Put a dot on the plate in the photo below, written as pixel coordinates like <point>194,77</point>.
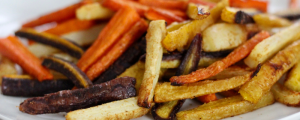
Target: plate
<point>15,12</point>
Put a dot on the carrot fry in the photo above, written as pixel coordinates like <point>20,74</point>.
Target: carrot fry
<point>115,5</point>
<point>167,4</point>
<point>70,26</point>
<point>117,26</point>
<point>57,16</point>
<point>161,14</point>
<point>12,48</point>
<point>133,34</point>
<point>151,15</point>
<point>201,2</point>
<point>261,5</point>
<point>207,98</point>
<point>215,68</point>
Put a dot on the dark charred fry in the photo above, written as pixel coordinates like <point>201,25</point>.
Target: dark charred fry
<point>168,110</point>
<point>233,15</point>
<point>24,85</point>
<point>219,54</point>
<point>68,100</point>
<point>52,40</point>
<point>68,69</point>
<point>243,18</point>
<point>127,59</point>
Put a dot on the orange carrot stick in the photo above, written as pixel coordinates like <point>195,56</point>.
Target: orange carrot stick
<point>12,48</point>
<point>57,16</point>
<point>207,98</point>
<point>111,56</point>
<point>167,4</point>
<point>261,5</point>
<point>201,2</point>
<point>115,5</point>
<point>218,66</point>
<point>70,26</point>
<point>152,15</point>
<point>294,4</point>
<point>113,31</point>
<point>167,14</point>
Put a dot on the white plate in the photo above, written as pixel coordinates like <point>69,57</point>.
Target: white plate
<point>15,12</point>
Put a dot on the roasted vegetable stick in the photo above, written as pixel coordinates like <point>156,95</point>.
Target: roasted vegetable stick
<point>181,38</point>
<point>175,25</point>
<point>292,81</point>
<point>202,2</point>
<point>93,11</point>
<point>286,96</point>
<point>165,92</point>
<point>226,107</point>
<point>115,5</point>
<point>215,68</point>
<point>120,110</point>
<point>207,98</point>
<point>127,59</point>
<point>7,67</point>
<point>155,34</point>
<point>136,71</point>
<point>269,47</point>
<point>167,110</point>
<point>261,5</point>
<point>271,20</point>
<point>24,85</point>
<point>52,40</point>
<point>117,26</point>
<point>161,14</point>
<point>69,69</point>
<point>229,93</point>
<point>290,14</point>
<point>270,73</point>
<point>233,15</point>
<point>71,26</point>
<point>152,15</point>
<point>231,72</point>
<point>13,49</point>
<point>197,12</point>
<point>167,4</point>
<point>41,50</point>
<point>135,32</point>
<point>57,16</point>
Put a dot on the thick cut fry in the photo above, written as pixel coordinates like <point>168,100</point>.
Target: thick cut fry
<point>93,11</point>
<point>271,20</point>
<point>235,56</point>
<point>270,73</point>
<point>181,38</point>
<point>117,26</point>
<point>7,67</point>
<point>167,4</point>
<point>135,32</point>
<point>118,110</point>
<point>12,48</point>
<point>226,107</point>
<point>165,92</point>
<point>233,15</point>
<point>57,16</point>
<point>197,12</point>
<point>71,26</point>
<point>286,96</point>
<point>155,34</point>
<point>175,25</point>
<point>202,2</point>
<point>293,79</point>
<point>269,47</point>
<point>261,5</point>
<point>115,5</point>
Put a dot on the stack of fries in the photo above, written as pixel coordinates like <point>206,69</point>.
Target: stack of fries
<point>192,49</point>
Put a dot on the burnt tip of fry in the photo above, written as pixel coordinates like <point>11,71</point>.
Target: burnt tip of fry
<point>256,71</point>
<point>243,18</point>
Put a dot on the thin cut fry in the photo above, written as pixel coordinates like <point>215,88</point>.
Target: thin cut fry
<point>118,110</point>
<point>155,33</point>
<point>270,73</point>
<point>286,96</point>
<point>224,108</point>
<point>293,79</point>
<point>235,56</point>
<point>269,47</point>
<point>117,26</point>
<point>181,38</point>
<point>57,16</point>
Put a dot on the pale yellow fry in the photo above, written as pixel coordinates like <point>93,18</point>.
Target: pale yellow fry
<point>286,96</point>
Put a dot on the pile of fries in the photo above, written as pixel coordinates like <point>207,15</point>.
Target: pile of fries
<point>175,50</point>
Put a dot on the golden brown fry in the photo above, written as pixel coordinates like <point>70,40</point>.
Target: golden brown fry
<point>175,25</point>
<point>223,108</point>
<point>270,46</point>
<point>7,67</point>
<point>118,110</point>
<point>271,20</point>
<point>93,11</point>
<point>155,34</point>
<point>270,73</point>
<point>286,96</point>
<point>231,72</point>
<point>233,15</point>
<point>204,62</point>
<point>181,38</point>
<point>197,12</point>
<point>165,92</point>
<point>293,79</point>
